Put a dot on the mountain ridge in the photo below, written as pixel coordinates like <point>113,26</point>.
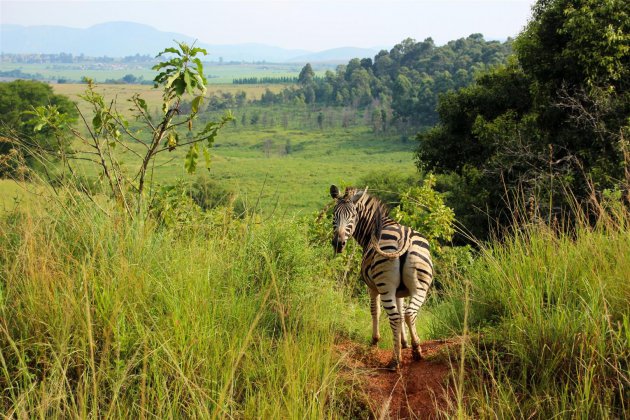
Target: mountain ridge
<point>119,39</point>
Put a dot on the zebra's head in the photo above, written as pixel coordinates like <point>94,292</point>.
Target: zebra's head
<point>345,215</point>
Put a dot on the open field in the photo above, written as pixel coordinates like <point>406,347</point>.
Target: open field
<point>287,167</point>
<point>284,161</point>
<point>153,96</point>
<point>216,74</point>
<point>254,164</point>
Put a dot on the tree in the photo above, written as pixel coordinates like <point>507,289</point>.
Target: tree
<point>320,120</point>
<point>556,117</point>
<point>306,75</point>
<point>17,98</point>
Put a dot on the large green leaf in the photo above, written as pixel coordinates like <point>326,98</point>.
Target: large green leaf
<point>196,103</point>
<point>190,162</point>
<point>206,156</point>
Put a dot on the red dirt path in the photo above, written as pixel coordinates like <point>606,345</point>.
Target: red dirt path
<point>417,391</point>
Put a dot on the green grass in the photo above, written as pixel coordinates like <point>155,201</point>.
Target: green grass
<point>153,97</point>
<point>231,318</point>
<point>285,162</point>
<point>14,195</point>
<point>549,316</point>
<point>299,181</point>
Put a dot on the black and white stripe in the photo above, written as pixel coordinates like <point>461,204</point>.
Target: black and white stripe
<point>396,262</point>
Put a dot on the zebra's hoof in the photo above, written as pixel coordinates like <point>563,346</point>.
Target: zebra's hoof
<point>375,341</point>
<point>416,353</point>
<point>393,365</point>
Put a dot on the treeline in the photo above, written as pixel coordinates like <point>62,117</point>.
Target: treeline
<point>265,80</point>
<point>409,78</point>
<point>19,74</point>
<point>553,123</point>
<point>69,58</point>
<point>128,79</point>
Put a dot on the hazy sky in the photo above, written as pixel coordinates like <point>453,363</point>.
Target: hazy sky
<point>305,24</point>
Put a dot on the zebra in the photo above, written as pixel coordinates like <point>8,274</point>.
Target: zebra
<point>396,263</point>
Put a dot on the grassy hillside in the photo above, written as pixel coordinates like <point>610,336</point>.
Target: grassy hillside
<point>229,317</point>
<point>284,161</point>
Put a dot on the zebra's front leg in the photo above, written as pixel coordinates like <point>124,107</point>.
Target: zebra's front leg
<point>375,310</point>
<point>400,302</point>
<point>395,322</point>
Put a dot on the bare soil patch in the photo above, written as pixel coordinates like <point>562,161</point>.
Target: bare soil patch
<point>418,390</point>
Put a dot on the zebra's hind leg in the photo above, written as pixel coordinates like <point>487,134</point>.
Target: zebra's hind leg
<point>395,322</point>
<point>418,295</point>
<point>375,310</point>
<point>400,302</point>
<point>410,320</point>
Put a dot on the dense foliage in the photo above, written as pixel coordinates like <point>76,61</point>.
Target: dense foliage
<point>17,99</point>
<point>409,77</point>
<point>556,117</point>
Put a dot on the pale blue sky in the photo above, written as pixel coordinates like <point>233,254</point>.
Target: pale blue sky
<point>305,24</point>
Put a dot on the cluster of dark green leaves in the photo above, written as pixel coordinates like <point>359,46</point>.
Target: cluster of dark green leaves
<point>18,101</point>
<point>183,73</point>
<point>557,116</point>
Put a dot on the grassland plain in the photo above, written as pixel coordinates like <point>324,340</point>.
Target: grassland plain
<point>254,164</point>
<point>285,161</point>
<point>217,74</point>
<point>120,93</point>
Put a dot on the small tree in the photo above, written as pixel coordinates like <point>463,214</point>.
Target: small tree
<point>306,75</point>
<point>110,135</point>
<point>320,120</point>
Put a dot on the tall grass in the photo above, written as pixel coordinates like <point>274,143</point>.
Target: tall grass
<point>549,317</point>
<point>102,317</point>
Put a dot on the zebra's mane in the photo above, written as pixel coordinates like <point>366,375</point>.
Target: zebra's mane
<point>374,208</point>
<point>380,218</point>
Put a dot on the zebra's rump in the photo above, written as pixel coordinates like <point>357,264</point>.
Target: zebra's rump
<point>415,258</point>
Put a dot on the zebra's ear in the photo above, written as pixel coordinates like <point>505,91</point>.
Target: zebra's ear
<point>334,191</point>
<point>359,195</point>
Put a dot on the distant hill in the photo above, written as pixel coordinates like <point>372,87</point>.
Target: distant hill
<point>119,39</point>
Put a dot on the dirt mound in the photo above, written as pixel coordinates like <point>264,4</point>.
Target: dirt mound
<point>417,391</point>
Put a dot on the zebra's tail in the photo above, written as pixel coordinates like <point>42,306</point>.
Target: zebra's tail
<point>376,239</point>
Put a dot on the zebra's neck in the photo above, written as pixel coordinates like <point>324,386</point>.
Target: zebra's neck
<point>367,220</point>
